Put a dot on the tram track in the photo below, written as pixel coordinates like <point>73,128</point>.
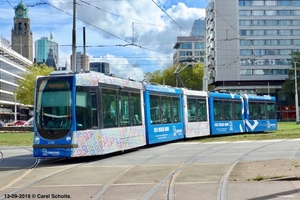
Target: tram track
<point>224,180</point>
<point>31,168</point>
<point>36,165</point>
<point>152,191</point>
<point>171,177</point>
<point>23,174</point>
<point>105,188</point>
<point>166,183</point>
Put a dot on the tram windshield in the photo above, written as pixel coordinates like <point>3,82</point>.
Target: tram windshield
<point>53,108</point>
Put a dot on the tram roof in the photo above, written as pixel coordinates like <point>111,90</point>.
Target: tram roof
<point>194,92</point>
<point>94,78</point>
<point>257,97</point>
<point>162,88</point>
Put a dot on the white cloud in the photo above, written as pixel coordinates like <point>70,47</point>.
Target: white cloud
<point>120,67</point>
<point>110,23</point>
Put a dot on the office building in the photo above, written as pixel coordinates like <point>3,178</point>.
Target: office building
<point>12,66</point>
<point>198,28</point>
<point>100,67</point>
<point>249,43</point>
<point>191,47</point>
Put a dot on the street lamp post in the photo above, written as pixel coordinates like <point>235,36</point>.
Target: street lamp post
<point>15,107</point>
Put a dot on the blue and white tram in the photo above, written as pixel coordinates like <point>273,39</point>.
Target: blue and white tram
<point>226,112</point>
<point>163,114</point>
<point>260,113</point>
<point>195,109</point>
<point>87,114</point>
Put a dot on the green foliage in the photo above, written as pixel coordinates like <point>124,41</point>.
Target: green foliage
<point>288,87</point>
<point>16,139</point>
<point>190,76</point>
<point>25,91</point>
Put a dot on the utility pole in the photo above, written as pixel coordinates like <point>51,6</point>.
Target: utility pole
<point>73,66</point>
<point>296,94</point>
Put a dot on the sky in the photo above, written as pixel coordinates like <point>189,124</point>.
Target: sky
<point>133,36</point>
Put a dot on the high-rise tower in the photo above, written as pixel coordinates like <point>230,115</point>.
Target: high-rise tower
<point>43,47</point>
<point>21,35</point>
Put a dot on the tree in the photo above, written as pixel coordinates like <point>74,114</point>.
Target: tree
<point>191,76</point>
<point>25,92</point>
<point>288,87</point>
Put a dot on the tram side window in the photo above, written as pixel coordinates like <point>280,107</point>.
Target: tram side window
<point>228,110</point>
<point>166,109</point>
<point>83,114</point>
<point>176,114</point>
<point>136,108</point>
<point>109,99</point>
<point>94,109</point>
<point>192,107</point>
<point>124,109</point>
<point>262,111</point>
<point>237,110</point>
<point>271,110</point>
<point>155,109</point>
<point>253,110</point>
<point>218,110</point>
<point>202,110</point>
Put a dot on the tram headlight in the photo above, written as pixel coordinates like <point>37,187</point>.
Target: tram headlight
<point>37,140</point>
<point>68,138</point>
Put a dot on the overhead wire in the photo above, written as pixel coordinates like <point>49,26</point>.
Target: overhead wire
<point>169,16</point>
<point>10,4</point>
<point>123,45</point>
<point>137,21</point>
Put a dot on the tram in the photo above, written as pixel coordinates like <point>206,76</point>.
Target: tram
<point>260,113</point>
<point>163,114</point>
<point>226,113</point>
<point>86,114</point>
<point>196,116</point>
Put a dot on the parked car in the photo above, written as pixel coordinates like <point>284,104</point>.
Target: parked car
<point>29,122</point>
<point>17,123</point>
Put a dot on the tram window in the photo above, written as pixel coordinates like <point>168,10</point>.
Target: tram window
<point>262,111</point>
<point>155,109</point>
<point>124,109</point>
<point>176,115</point>
<point>109,99</point>
<point>218,108</point>
<point>136,109</point>
<point>271,111</point>
<point>191,110</point>
<point>94,109</point>
<point>166,109</point>
<point>83,111</point>
<point>253,110</point>
<point>237,110</point>
<point>228,110</point>
<point>202,110</point>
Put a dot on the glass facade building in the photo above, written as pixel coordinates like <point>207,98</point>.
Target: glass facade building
<point>42,49</point>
